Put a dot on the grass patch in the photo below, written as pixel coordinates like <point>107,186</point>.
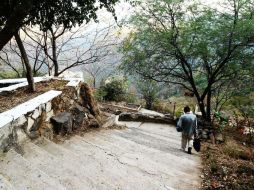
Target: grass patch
<point>237,151</point>
<point>228,166</point>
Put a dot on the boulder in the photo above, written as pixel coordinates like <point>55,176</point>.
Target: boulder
<point>78,116</point>
<point>219,137</point>
<point>143,117</point>
<point>118,112</point>
<point>93,123</point>
<point>212,138</point>
<point>62,123</point>
<point>90,116</point>
<point>88,100</point>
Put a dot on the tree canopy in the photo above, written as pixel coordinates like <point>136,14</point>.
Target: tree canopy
<point>190,44</point>
<point>16,13</point>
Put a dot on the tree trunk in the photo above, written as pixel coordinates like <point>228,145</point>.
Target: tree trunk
<point>12,25</point>
<point>14,22</point>
<point>202,108</point>
<point>208,105</point>
<point>56,68</point>
<point>149,102</point>
<point>25,60</point>
<point>94,82</point>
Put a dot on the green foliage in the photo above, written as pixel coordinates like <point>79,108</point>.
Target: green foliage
<point>99,94</point>
<point>48,13</point>
<point>131,98</point>
<point>39,74</point>
<point>8,75</point>
<point>221,119</point>
<point>11,74</point>
<point>185,43</point>
<point>244,105</point>
<point>213,166</point>
<point>234,150</point>
<point>163,106</point>
<point>115,89</point>
<point>149,90</point>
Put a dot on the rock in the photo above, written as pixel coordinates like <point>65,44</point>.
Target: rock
<point>204,136</point>
<point>78,116</point>
<point>34,134</point>
<point>211,136</point>
<point>110,121</point>
<point>62,123</point>
<point>88,100</point>
<point>90,116</point>
<point>48,106</point>
<point>40,109</point>
<point>20,135</point>
<point>30,123</point>
<point>49,115</point>
<point>118,112</point>
<point>21,121</point>
<point>36,114</point>
<point>36,125</point>
<point>46,131</point>
<point>93,123</point>
<point>219,137</point>
<point>142,117</point>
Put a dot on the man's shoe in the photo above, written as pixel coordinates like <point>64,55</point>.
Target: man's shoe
<point>189,150</point>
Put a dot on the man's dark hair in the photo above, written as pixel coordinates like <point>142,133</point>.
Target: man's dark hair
<point>186,109</point>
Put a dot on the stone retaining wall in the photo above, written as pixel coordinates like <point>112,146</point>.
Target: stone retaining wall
<point>31,119</point>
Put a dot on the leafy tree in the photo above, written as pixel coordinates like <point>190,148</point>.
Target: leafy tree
<point>149,90</point>
<point>47,13</point>
<point>191,45</point>
<point>114,89</point>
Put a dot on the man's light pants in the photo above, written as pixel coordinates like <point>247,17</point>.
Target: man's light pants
<point>186,139</point>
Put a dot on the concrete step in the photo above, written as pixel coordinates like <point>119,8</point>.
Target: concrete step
<point>144,161</point>
<point>22,175</point>
<point>121,174</point>
<point>128,145</point>
<point>5,184</point>
<point>65,168</point>
<point>94,166</point>
<point>166,164</point>
<point>83,161</point>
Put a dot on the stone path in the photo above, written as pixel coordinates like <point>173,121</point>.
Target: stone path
<point>142,157</point>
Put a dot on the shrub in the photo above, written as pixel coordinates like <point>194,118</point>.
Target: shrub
<point>149,90</point>
<point>237,151</point>
<point>99,94</point>
<point>131,98</point>
<point>9,75</point>
<point>114,90</point>
<point>163,106</point>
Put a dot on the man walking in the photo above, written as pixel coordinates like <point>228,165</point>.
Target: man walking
<point>188,122</point>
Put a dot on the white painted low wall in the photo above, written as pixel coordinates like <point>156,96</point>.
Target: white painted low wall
<point>16,123</point>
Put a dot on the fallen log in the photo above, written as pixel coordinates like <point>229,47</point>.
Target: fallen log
<point>142,117</point>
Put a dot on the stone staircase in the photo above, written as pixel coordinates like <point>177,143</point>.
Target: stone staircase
<point>143,156</point>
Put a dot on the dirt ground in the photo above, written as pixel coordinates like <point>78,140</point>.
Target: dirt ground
<point>228,166</point>
<point>10,99</point>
